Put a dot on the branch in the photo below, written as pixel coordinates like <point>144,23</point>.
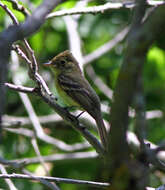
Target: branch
<point>100,8</point>
<point>34,22</point>
<point>39,156</point>
<point>139,41</point>
<point>33,117</point>
<point>106,47</point>
<point>99,82</point>
<point>98,53</point>
<point>55,158</point>
<point>74,122</point>
<point>131,138</point>
<point>20,88</point>
<point>42,162</point>
<point>74,38</point>
<point>50,140</point>
<point>41,135</point>
<point>33,67</point>
<point>19,7</point>
<point>13,121</point>
<point>17,165</point>
<point>66,180</point>
<point>133,63</point>
<point>8,181</point>
<point>21,53</point>
<point>56,179</point>
<point>140,114</point>
<point>43,90</point>
<point>43,181</point>
<point>14,33</point>
<point>14,164</point>
<point>12,16</point>
<point>31,25</point>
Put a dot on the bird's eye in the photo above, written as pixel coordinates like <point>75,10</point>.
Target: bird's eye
<point>62,62</point>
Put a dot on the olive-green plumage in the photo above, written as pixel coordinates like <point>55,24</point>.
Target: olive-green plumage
<point>75,91</point>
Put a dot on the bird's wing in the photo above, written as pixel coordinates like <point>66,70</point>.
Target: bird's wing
<point>77,92</point>
<point>67,83</point>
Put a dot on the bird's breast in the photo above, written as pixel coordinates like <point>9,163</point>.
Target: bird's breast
<point>63,98</point>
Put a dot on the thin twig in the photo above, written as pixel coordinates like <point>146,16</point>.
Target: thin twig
<point>21,53</point>
<point>43,181</point>
<point>37,151</point>
<point>40,133</point>
<point>8,181</point>
<point>12,16</point>
<point>32,63</point>
<point>100,8</point>
<point>13,121</point>
<point>18,165</point>
<point>98,53</point>
<point>75,123</point>
<point>71,23</point>
<point>105,47</point>
<point>56,179</point>
<point>50,140</point>
<point>74,38</point>
<point>20,88</point>
<point>55,158</point>
<point>51,185</point>
<point>19,7</point>
<point>14,164</point>
<point>99,82</point>
<point>22,131</point>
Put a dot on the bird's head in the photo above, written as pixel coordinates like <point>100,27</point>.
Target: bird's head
<point>64,62</point>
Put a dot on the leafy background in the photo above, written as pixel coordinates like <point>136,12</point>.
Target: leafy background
<point>95,30</point>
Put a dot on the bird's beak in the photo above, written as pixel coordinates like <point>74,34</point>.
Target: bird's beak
<point>47,64</point>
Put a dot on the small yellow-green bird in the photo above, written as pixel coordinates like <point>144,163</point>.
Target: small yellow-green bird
<point>75,91</point>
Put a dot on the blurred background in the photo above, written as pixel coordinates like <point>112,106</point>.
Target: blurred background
<point>94,31</point>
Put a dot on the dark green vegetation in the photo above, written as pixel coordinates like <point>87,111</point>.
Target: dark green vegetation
<point>51,39</point>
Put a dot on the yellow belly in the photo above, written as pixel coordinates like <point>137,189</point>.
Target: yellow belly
<point>64,99</point>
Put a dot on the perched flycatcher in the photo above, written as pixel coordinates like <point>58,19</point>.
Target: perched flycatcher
<point>75,91</point>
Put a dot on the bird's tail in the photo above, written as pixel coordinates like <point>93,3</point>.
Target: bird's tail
<point>102,131</point>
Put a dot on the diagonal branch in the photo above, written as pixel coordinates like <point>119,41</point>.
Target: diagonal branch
<point>98,53</point>
<point>106,47</point>
<point>8,181</point>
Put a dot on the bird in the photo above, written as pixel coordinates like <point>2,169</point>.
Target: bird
<point>75,91</point>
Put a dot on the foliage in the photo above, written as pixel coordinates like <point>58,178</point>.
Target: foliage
<point>94,30</point>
